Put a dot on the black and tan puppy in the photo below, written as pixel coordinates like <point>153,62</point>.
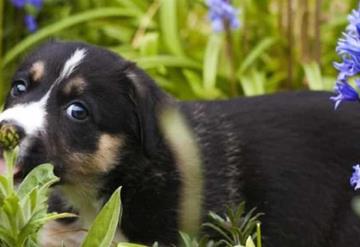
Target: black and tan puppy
<point>95,117</point>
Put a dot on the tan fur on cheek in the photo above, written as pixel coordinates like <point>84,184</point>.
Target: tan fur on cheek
<point>37,71</point>
<point>102,161</point>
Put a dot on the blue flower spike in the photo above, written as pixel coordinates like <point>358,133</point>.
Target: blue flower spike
<point>345,93</point>
<point>221,11</point>
<point>355,178</point>
<point>29,18</point>
<point>30,23</point>
<point>36,3</point>
<point>348,48</point>
<point>18,3</point>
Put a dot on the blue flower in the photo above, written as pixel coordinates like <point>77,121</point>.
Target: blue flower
<point>29,18</point>
<point>221,11</point>
<point>21,3</point>
<point>348,68</point>
<point>30,23</point>
<point>348,48</point>
<point>354,21</point>
<point>345,92</point>
<point>349,45</point>
<point>355,178</point>
<point>36,3</point>
<point>18,3</point>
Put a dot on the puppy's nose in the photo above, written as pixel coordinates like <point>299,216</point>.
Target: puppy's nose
<point>10,134</point>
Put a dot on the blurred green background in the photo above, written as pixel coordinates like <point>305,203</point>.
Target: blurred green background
<point>281,44</point>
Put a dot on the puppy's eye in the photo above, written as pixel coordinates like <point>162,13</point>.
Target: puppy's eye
<point>19,87</point>
<point>77,112</point>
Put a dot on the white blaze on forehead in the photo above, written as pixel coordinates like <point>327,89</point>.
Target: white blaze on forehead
<point>31,116</point>
<point>71,64</point>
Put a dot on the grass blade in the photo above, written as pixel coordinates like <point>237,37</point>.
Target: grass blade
<point>169,27</point>
<point>52,29</point>
<point>211,59</point>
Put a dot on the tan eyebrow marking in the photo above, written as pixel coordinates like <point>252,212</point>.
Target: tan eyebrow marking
<point>75,85</point>
<point>37,71</point>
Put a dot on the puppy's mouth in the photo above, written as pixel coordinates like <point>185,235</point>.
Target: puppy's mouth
<point>18,174</point>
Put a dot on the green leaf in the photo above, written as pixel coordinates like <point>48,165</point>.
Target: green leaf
<point>10,157</point>
<point>314,78</point>
<point>103,229</point>
<point>197,87</point>
<point>211,59</point>
<point>39,176</point>
<point>255,53</point>
<point>165,60</point>
<point>12,215</point>
<point>253,83</point>
<point>249,242</point>
<point>137,5</point>
<point>186,239</point>
<point>149,44</point>
<point>219,230</point>
<point>130,245</point>
<point>52,29</point>
<point>5,189</point>
<point>258,235</point>
<point>131,4</point>
<point>169,27</point>
<point>6,237</point>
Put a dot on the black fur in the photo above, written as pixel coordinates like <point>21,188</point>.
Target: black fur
<point>288,154</point>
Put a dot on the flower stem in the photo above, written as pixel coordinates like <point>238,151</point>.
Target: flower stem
<point>258,235</point>
<point>1,27</point>
<point>1,50</point>
<point>317,51</point>
<point>230,54</point>
<point>145,22</point>
<point>290,43</point>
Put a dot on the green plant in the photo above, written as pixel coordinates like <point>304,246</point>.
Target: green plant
<point>102,230</point>
<point>23,208</point>
<point>236,228</point>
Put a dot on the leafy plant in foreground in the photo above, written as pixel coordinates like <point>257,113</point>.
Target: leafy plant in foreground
<point>23,209</point>
<point>236,228</point>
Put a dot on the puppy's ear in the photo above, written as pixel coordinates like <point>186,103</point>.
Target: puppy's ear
<point>148,100</point>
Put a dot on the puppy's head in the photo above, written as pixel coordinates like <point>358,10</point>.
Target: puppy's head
<point>80,107</point>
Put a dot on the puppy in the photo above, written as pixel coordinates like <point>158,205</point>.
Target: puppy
<point>97,118</point>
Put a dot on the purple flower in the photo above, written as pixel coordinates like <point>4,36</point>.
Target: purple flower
<point>36,3</point>
<point>30,23</point>
<point>21,3</point>
<point>345,92</point>
<point>348,48</point>
<point>355,178</point>
<point>354,21</point>
<point>221,11</point>
<point>348,68</point>
<point>29,18</point>
<point>18,3</point>
<point>348,45</point>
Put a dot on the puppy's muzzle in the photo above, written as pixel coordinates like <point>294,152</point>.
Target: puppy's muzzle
<point>11,134</point>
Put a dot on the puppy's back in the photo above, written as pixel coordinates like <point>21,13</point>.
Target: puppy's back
<point>288,154</point>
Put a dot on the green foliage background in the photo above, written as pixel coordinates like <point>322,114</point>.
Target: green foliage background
<point>281,45</point>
